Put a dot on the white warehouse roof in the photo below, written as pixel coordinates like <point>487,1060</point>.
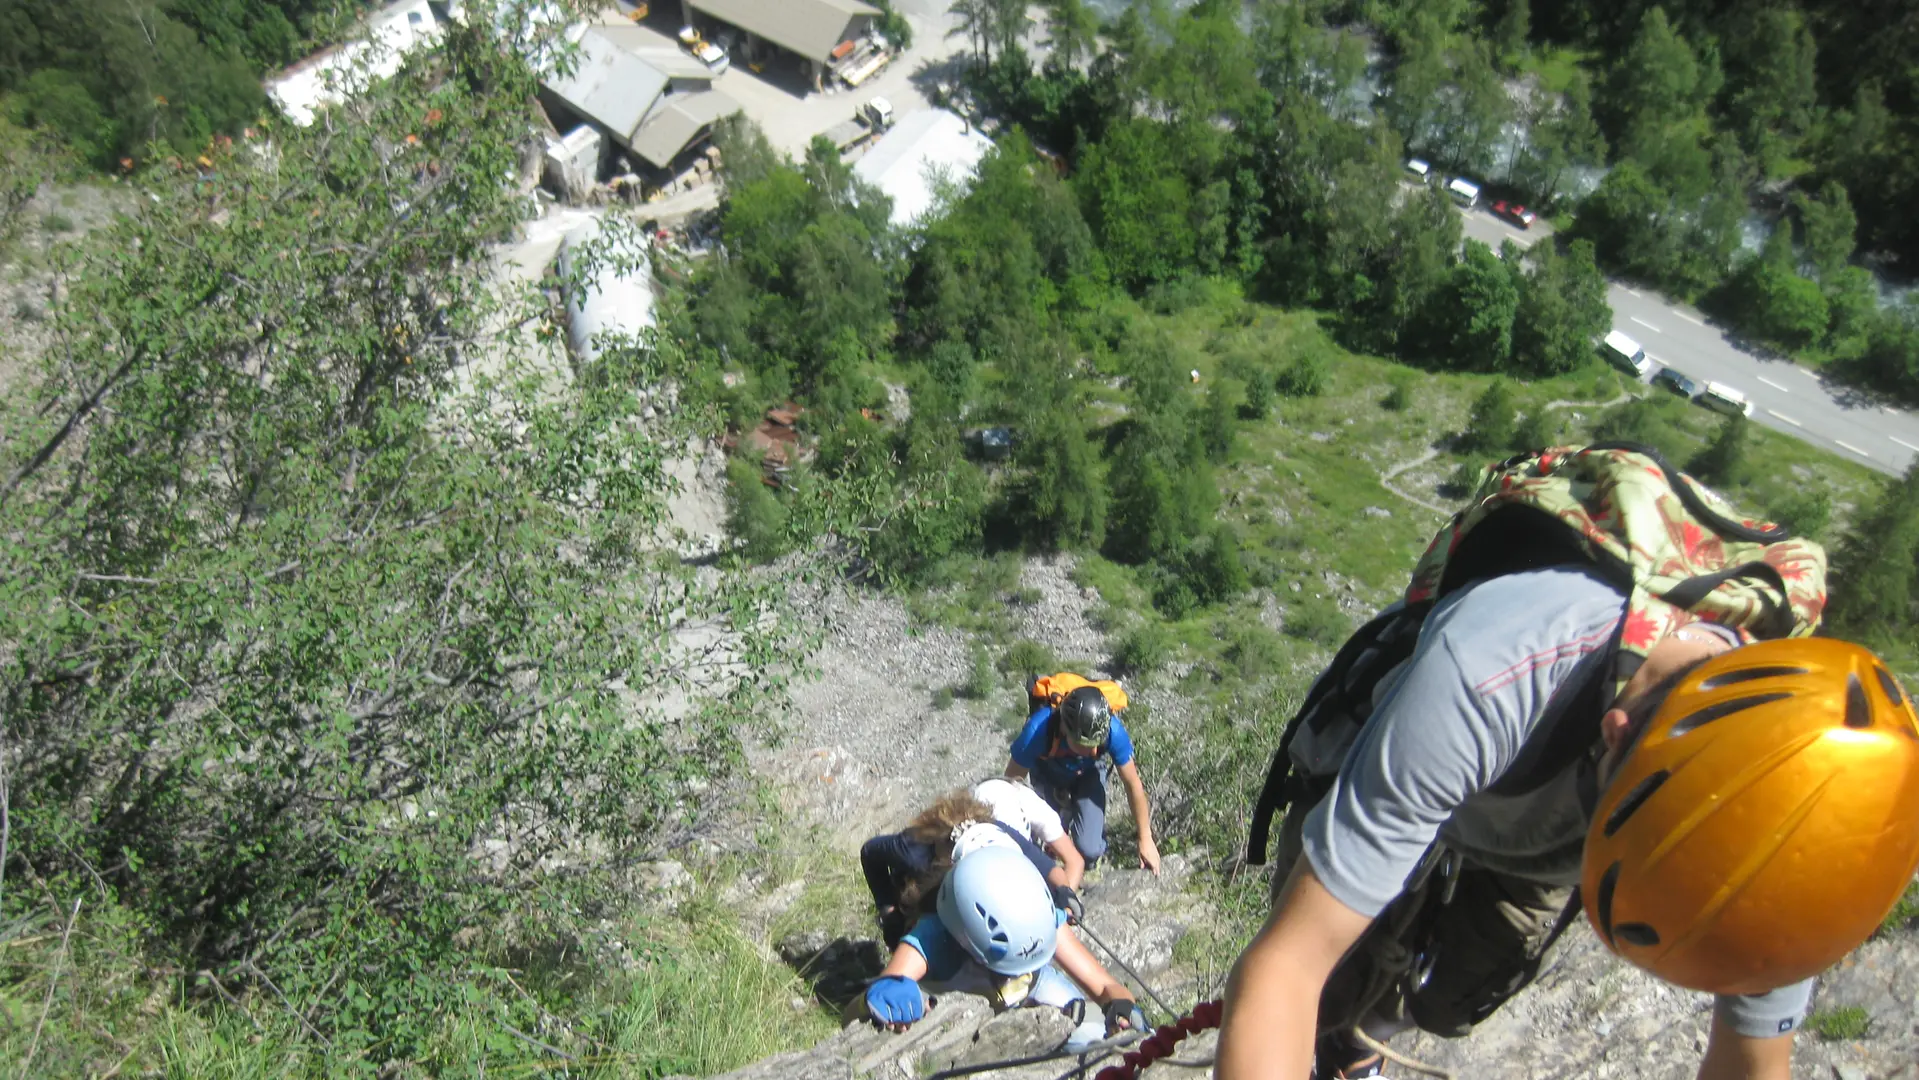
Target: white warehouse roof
<point>923,145</point>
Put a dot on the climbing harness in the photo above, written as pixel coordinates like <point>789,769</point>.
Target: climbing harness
<point>1123,966</point>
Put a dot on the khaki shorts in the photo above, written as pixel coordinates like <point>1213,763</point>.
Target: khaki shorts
<point>1455,964</point>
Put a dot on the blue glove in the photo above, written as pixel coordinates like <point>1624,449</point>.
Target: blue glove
<point>895,999</point>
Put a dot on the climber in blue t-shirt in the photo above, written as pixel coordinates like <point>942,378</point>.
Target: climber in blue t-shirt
<point>1066,752</point>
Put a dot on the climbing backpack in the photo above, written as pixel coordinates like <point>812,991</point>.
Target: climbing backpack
<point>1669,543</point>
<point>1051,690</point>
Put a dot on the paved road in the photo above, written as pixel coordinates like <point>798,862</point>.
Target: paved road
<point>1785,396</point>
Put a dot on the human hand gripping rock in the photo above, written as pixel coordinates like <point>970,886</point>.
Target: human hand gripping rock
<point>895,1002</point>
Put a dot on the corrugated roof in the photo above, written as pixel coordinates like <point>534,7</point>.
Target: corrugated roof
<point>612,86</point>
<point>810,28</point>
<point>646,45</point>
<point>923,144</point>
<point>679,121</point>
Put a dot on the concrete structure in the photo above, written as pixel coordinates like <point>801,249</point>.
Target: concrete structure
<point>330,76</point>
<point>922,148</point>
<point>656,103</point>
<point>818,32</point>
<point>601,299</point>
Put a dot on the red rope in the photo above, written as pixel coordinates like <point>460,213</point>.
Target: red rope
<point>1160,1044</point>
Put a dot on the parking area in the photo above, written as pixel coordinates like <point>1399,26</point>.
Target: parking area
<point>791,113</point>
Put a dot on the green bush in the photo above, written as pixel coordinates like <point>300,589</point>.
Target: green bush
<point>1464,479</point>
<point>1723,460</point>
<point>1806,511</point>
<point>1399,394</point>
<point>1307,375</point>
<point>1537,429</point>
<point>1491,428</point>
<point>1144,647</point>
<point>57,223</point>
<point>1028,657</point>
<point>981,680</point>
<point>1259,395</point>
<point>755,517</point>
<point>1026,596</point>
<point>1904,913</point>
<point>1649,422</point>
<point>1216,426</point>
<point>1254,651</point>
<point>1316,619</point>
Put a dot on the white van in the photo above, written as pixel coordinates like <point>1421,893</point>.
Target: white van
<point>1722,398</point>
<point>1419,170</point>
<point>1463,191</point>
<point>1624,352</point>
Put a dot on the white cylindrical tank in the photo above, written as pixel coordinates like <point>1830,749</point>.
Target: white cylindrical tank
<point>608,293</point>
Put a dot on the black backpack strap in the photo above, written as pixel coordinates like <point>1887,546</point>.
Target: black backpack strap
<point>1345,688</point>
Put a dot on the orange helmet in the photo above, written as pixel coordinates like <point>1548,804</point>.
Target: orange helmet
<point>1765,821</point>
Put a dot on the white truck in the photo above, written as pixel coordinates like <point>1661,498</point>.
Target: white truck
<point>1624,353</point>
<point>868,120</point>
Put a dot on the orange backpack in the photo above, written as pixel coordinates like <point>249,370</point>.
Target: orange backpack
<point>1052,689</point>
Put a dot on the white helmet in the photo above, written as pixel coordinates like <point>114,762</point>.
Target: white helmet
<point>997,904</point>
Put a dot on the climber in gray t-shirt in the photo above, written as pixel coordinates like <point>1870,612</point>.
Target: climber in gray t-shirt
<point>1447,725</point>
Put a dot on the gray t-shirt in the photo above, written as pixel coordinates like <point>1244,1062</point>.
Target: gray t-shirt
<point>1449,723</point>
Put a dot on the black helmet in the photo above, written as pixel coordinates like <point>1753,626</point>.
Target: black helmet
<point>1085,718</point>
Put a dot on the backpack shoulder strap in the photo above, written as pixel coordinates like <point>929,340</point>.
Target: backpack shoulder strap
<point>1344,689</point>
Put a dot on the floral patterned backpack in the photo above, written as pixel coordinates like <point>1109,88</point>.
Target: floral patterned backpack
<point>1670,543</point>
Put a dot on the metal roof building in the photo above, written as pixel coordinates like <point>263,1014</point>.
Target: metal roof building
<point>922,148</point>
<point>652,101</point>
<point>810,29</point>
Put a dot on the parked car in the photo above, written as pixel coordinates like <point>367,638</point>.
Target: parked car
<point>1419,170</point>
<point>1724,399</point>
<point>1514,213</point>
<point>1463,191</point>
<point>1676,382</point>
<point>706,52</point>
<point>1624,353</point>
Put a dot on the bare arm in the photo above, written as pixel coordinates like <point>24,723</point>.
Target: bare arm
<point>1142,813</point>
<point>1732,1056</point>
<point>1076,960</point>
<point>1071,860</point>
<point>909,964</point>
<point>1014,770</point>
<point>1272,998</point>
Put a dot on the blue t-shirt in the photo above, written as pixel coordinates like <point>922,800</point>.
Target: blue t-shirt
<point>1035,743</point>
<point>943,953</point>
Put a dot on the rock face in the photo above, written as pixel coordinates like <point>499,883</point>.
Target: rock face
<point>868,747</point>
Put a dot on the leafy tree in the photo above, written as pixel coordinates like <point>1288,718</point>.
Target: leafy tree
<point>1305,375</point>
<point>1469,321</point>
<point>1072,32</point>
<point>1057,498</point>
<point>318,583</point>
<point>1874,564</point>
<point>1472,112</point>
<point>1512,32</point>
<point>1771,300</point>
<point>1770,91</point>
<point>754,515</point>
<point>1656,86</point>
<point>1723,460</point>
<point>1137,207</point>
<point>1565,137</point>
<point>1492,426</point>
<point>805,293</point>
<point>1216,429</point>
<point>1562,309</point>
<point>1828,226</point>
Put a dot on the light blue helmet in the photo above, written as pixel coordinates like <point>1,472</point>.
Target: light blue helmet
<point>997,904</point>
